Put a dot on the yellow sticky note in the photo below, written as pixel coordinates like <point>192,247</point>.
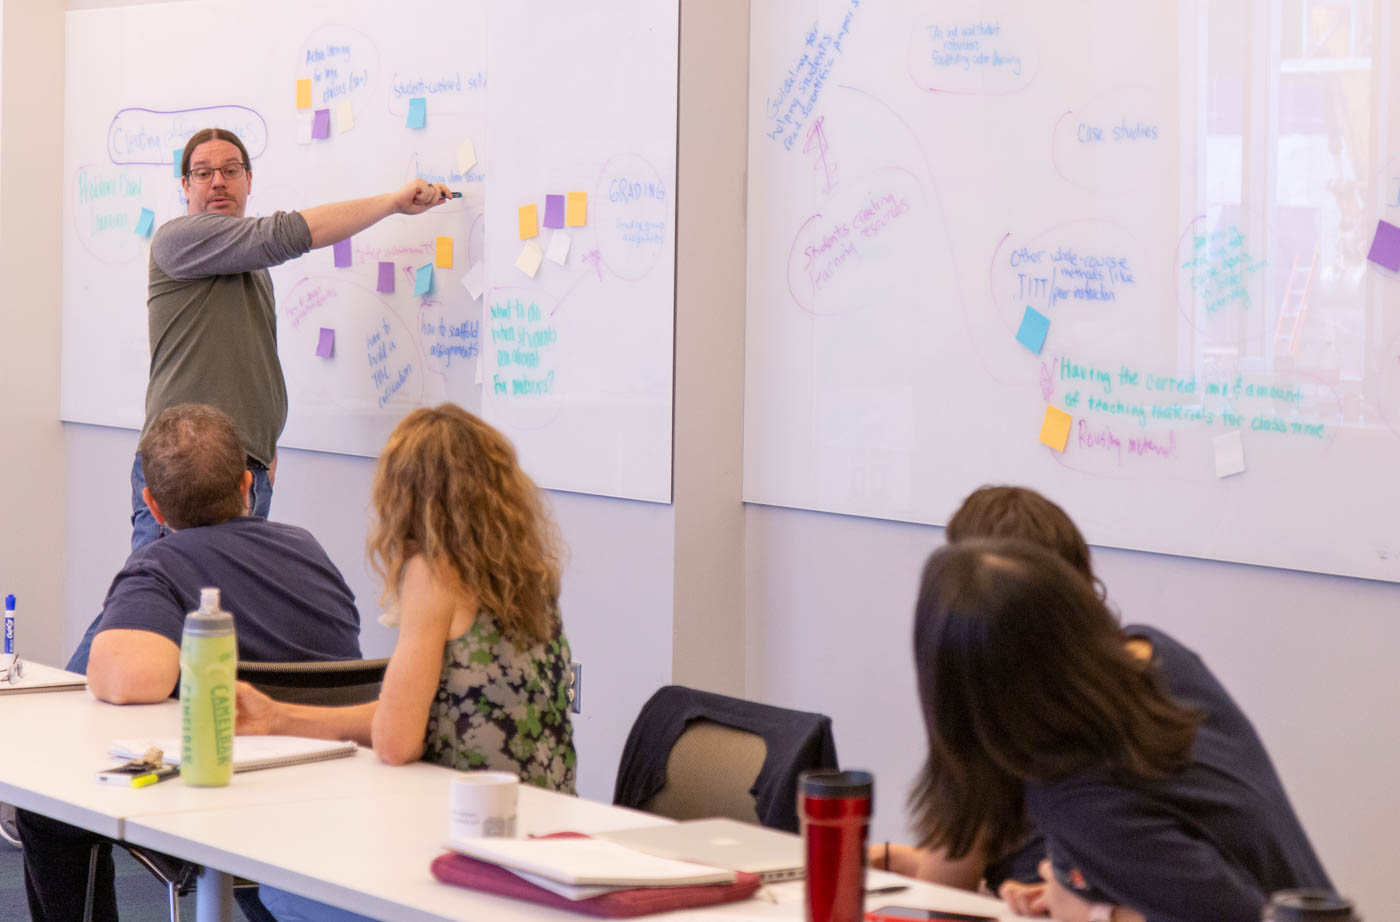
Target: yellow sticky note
<point>304,93</point>
<point>1054,431</point>
<point>444,253</point>
<point>576,209</point>
<point>529,221</point>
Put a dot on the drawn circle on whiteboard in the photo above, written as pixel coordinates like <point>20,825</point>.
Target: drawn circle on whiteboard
<point>105,202</point>
<point>520,386</point>
<point>1115,142</point>
<point>341,63</point>
<point>859,248</point>
<point>994,52</point>
<point>1090,277</point>
<point>631,214</point>
<point>1221,279</point>
<point>376,366</point>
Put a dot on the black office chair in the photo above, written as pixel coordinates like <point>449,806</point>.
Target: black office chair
<point>694,754</point>
<point>325,682</point>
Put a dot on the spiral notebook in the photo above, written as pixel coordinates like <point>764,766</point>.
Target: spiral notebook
<point>250,753</point>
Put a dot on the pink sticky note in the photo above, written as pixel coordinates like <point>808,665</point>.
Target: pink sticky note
<point>326,347</point>
<point>1385,249</point>
<point>342,253</point>
<point>321,128</point>
<point>386,277</point>
<point>554,211</point>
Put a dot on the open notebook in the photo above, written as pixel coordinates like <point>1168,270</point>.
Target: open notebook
<point>36,677</point>
<point>249,752</point>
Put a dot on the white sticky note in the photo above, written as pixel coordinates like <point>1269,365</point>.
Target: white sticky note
<point>1229,454</point>
<point>558,248</point>
<point>344,116</point>
<point>305,122</point>
<point>530,257</point>
<point>466,157</point>
<point>475,280</point>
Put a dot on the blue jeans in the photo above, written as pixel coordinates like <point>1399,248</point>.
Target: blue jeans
<point>144,527</point>
<point>288,907</point>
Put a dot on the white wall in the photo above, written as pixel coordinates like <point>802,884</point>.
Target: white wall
<point>1310,658</point>
<point>31,444</point>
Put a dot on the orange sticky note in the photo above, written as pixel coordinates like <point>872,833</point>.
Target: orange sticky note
<point>444,253</point>
<point>1054,431</point>
<point>529,221</point>
<point>304,93</point>
<point>576,209</point>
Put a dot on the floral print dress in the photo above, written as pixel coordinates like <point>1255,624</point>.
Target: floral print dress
<point>501,708</point>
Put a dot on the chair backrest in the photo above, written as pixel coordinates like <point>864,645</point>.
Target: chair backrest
<point>332,682</point>
<point>694,754</point>
<point>710,771</point>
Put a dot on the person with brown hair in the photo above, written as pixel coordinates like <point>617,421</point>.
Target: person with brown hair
<point>1153,792</point>
<point>288,600</point>
<point>470,560</point>
<point>211,315</point>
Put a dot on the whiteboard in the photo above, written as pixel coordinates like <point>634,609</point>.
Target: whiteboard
<point>137,87</point>
<point>1186,192</point>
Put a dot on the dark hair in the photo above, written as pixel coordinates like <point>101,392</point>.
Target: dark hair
<point>1016,512</point>
<point>1023,676</point>
<point>212,134</point>
<point>194,464</point>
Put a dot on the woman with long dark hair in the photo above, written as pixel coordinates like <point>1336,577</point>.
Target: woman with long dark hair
<point>1153,791</point>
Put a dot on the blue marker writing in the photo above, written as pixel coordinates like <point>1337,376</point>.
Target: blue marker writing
<point>10,625</point>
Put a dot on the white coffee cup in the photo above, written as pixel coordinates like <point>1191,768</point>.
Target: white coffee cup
<point>483,805</point>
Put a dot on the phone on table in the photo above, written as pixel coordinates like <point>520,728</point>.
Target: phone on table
<point>911,914</point>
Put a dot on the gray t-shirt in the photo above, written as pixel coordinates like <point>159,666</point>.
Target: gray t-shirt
<point>213,321</point>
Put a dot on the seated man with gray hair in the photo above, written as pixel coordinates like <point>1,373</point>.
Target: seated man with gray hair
<point>289,602</point>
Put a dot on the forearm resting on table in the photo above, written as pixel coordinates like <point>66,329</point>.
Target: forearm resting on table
<point>351,722</point>
<point>931,864</point>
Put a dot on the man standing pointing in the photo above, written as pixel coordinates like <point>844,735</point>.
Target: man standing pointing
<point>212,316</point>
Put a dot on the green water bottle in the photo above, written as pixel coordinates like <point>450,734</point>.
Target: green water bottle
<point>208,665</point>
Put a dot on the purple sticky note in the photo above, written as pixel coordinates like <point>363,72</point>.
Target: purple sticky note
<point>554,211</point>
<point>326,347</point>
<point>342,254</point>
<point>1385,249</point>
<point>321,127</point>
<point>386,277</point>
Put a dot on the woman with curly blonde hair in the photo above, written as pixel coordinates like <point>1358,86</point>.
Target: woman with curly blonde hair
<point>470,562</point>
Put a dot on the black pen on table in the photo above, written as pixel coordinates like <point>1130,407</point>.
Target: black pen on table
<point>881,891</point>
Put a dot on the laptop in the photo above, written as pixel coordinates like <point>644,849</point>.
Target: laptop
<point>771,854</point>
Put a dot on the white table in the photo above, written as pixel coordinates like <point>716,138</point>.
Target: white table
<point>351,832</point>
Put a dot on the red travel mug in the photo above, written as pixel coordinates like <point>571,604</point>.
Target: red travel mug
<point>835,809</point>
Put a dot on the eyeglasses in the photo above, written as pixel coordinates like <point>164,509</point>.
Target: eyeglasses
<point>231,172</point>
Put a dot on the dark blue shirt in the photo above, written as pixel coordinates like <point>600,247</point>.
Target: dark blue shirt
<point>289,602</point>
<point>1209,843</point>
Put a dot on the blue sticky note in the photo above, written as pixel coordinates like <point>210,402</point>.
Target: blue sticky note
<point>423,282</point>
<point>145,222</point>
<point>178,154</point>
<point>386,277</point>
<point>1034,326</point>
<point>417,112</point>
<point>342,254</point>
